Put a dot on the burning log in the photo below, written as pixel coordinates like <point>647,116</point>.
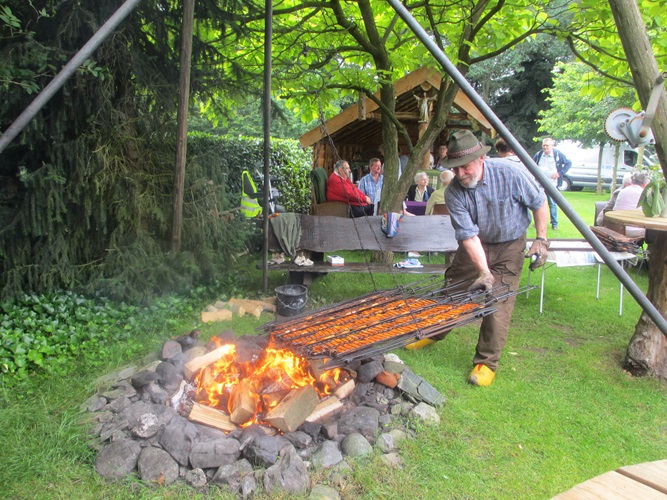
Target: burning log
<point>345,390</point>
<point>326,408</point>
<point>242,403</point>
<point>211,417</point>
<point>192,367</point>
<point>292,411</point>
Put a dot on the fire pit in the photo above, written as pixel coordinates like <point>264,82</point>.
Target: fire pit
<point>313,389</point>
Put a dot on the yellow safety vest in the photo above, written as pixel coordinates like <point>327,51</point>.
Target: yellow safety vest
<point>250,207</point>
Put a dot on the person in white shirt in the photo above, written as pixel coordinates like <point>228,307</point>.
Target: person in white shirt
<point>629,197</point>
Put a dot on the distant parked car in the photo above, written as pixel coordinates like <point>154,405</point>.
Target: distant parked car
<point>584,170</point>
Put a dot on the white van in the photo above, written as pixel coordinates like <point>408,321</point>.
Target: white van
<point>584,170</point>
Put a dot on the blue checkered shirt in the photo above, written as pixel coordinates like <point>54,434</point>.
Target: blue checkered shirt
<point>497,209</point>
<point>369,187</point>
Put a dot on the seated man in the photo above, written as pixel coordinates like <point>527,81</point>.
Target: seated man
<point>340,188</point>
<point>371,184</point>
<point>628,197</point>
<point>627,181</point>
<point>420,190</point>
<point>438,196</point>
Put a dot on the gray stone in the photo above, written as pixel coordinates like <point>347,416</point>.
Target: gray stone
<point>356,445</point>
<point>170,349</point>
<point>178,438</point>
<point>195,352</point>
<point>385,420</point>
<point>118,405</point>
<point>322,492</point>
<point>134,413</point>
<point>393,367</point>
<point>94,403</point>
<point>196,478</point>
<point>209,433</point>
<point>110,379</point>
<point>330,429</point>
<point>170,376</point>
<point>398,436</point>
<point>327,456</point>
<point>392,460</point>
<point>299,439</point>
<point>143,378</point>
<point>157,466</point>
<point>103,417</point>
<point>386,442</point>
<point>130,391</point>
<point>419,389</point>
<point>210,454</point>
<point>289,475</point>
<point>263,451</point>
<point>248,486</point>
<point>313,429</point>
<point>230,476</point>
<point>149,426</point>
<point>359,393</point>
<point>425,413</point>
<point>406,407</point>
<point>368,371</point>
<point>154,392</point>
<point>119,423</point>
<point>114,393</point>
<point>362,419</point>
<point>118,459</point>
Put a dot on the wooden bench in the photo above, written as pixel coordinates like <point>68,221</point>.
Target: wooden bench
<point>322,234</point>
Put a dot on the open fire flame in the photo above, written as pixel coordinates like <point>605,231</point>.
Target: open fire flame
<point>247,390</point>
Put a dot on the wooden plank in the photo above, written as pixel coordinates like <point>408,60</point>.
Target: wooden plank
<point>192,367</point>
<point>212,417</point>
<point>611,486</point>
<point>360,267</point>
<point>326,408</point>
<point>292,411</point>
<point>652,474</point>
<point>422,233</point>
<point>217,315</point>
<point>249,307</point>
<point>345,390</point>
<point>242,404</point>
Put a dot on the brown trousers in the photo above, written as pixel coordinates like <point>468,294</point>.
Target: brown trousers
<point>506,263</point>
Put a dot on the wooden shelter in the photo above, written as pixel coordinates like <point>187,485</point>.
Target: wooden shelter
<point>356,132</point>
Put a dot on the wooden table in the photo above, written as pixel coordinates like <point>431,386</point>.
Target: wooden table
<point>645,481</point>
<point>647,351</point>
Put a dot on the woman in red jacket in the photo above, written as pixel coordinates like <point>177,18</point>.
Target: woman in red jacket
<point>340,188</point>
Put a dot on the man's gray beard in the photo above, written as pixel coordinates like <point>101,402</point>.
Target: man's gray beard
<point>470,183</point>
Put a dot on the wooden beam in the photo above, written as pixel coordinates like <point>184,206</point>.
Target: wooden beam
<point>242,403</point>
<point>326,408</point>
<point>191,368</point>
<point>212,417</point>
<point>292,411</point>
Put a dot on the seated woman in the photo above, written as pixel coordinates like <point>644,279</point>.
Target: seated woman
<point>420,190</point>
<point>340,188</point>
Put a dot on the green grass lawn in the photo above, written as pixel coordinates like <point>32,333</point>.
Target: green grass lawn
<point>560,411</point>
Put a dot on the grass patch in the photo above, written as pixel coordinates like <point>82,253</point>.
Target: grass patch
<point>561,410</point>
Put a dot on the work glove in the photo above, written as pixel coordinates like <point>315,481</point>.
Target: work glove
<point>483,283</point>
<point>538,253</point>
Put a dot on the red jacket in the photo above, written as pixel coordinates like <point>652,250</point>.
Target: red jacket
<point>340,189</point>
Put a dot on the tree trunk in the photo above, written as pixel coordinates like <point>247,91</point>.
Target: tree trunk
<point>647,352</point>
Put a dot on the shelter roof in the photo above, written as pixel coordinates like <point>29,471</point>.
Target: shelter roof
<point>360,124</point>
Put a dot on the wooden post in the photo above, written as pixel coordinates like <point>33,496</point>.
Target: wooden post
<point>182,124</point>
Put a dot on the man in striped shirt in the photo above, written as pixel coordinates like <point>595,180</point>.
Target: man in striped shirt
<point>489,200</point>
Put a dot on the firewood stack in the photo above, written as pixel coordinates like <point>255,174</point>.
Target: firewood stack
<point>616,242</point>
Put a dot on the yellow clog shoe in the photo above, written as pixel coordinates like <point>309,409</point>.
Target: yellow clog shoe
<point>481,375</point>
<point>420,344</point>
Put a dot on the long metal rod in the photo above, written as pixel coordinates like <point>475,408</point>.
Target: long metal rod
<point>268,35</point>
<point>79,58</point>
<point>551,190</point>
